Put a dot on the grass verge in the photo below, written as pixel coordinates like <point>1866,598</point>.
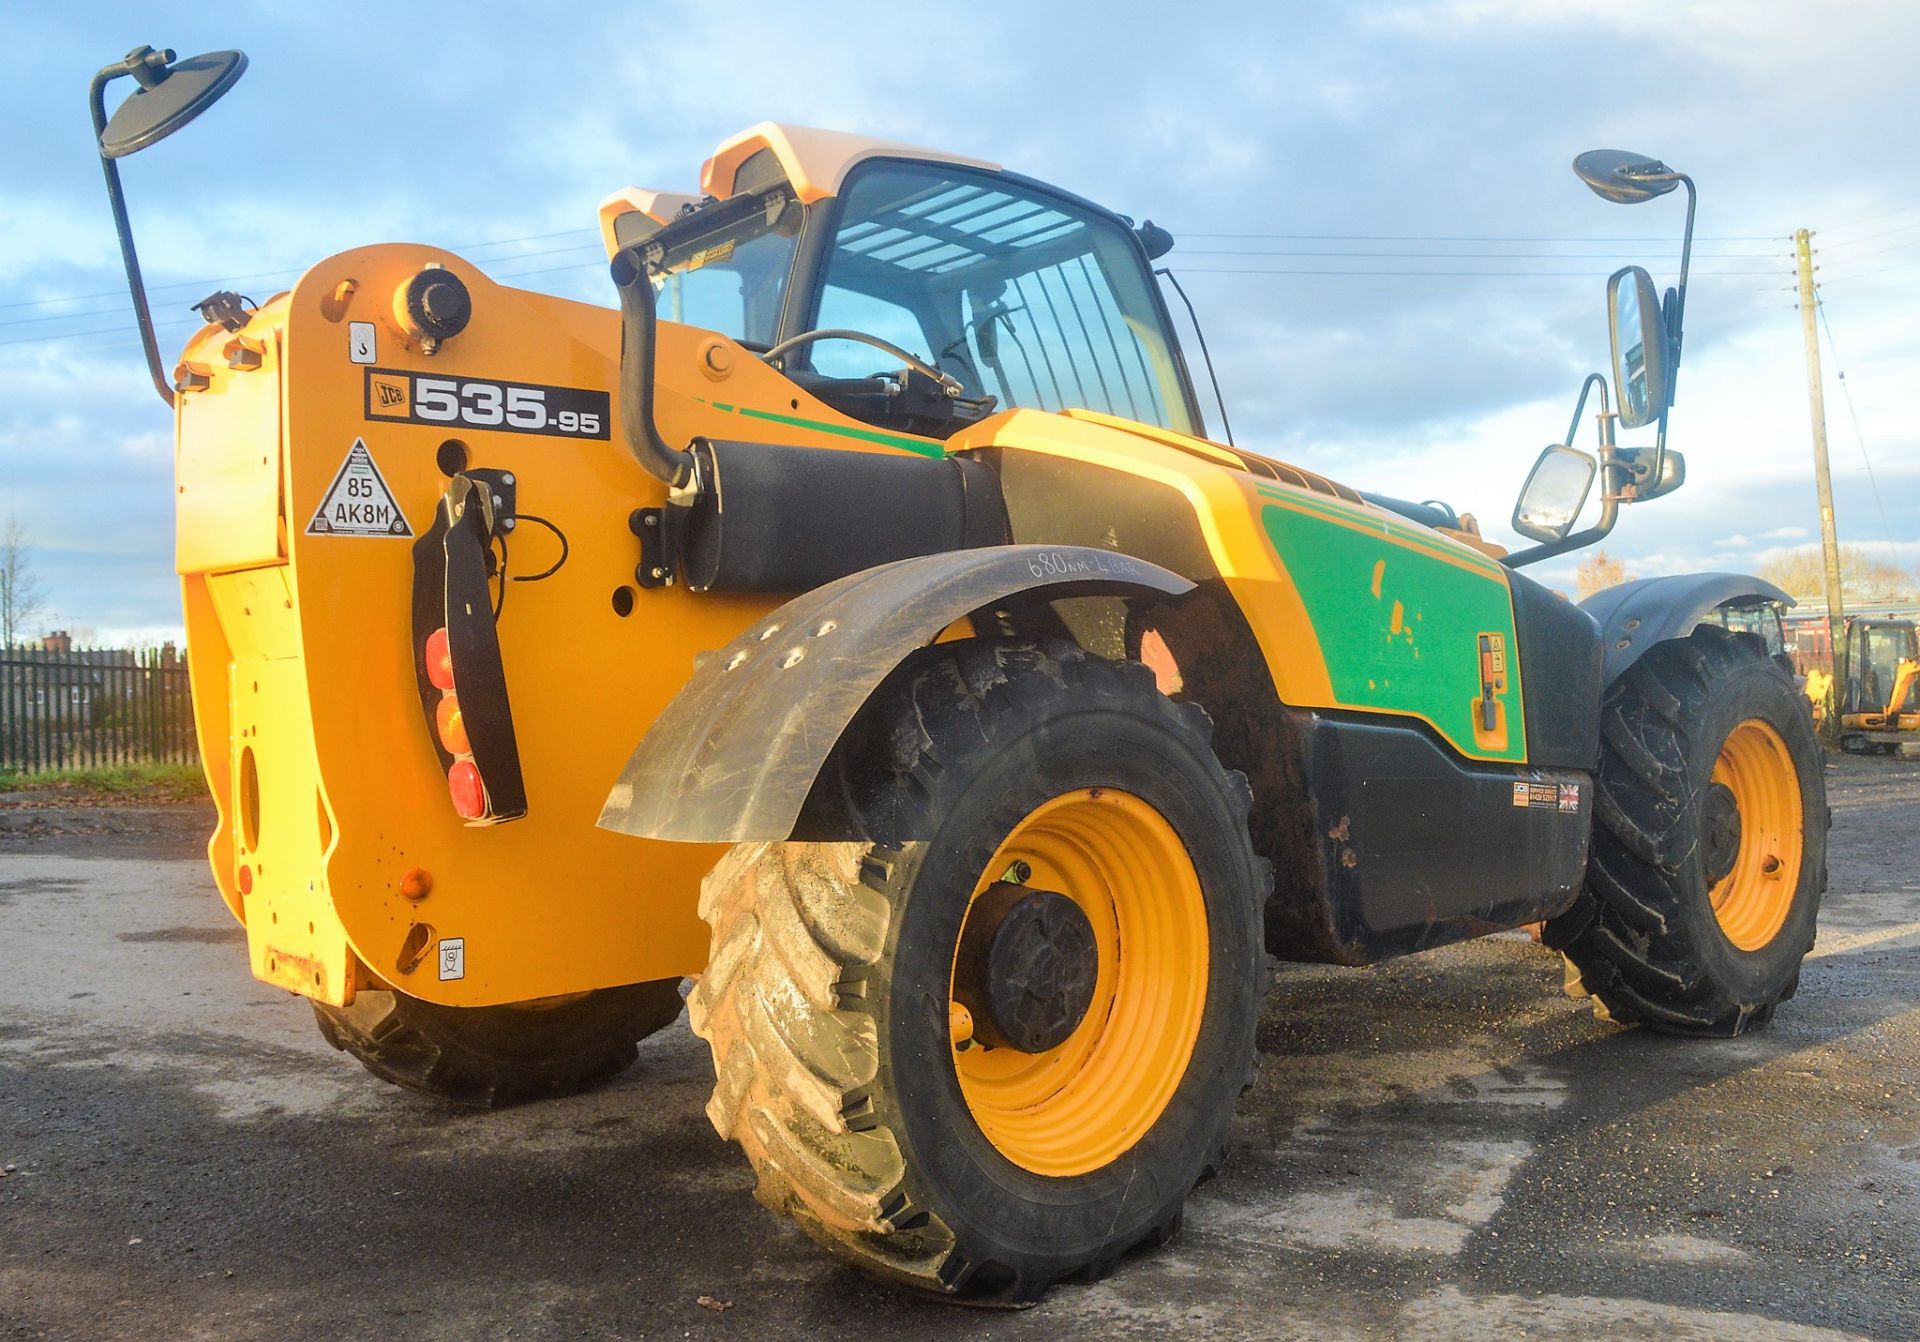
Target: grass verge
<point>112,783</point>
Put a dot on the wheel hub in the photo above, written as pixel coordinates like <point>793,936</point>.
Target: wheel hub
<point>1720,831</point>
<point>1026,967</point>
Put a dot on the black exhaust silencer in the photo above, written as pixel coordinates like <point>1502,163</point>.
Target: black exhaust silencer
<point>771,518</point>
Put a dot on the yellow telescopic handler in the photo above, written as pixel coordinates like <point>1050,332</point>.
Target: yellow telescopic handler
<point>856,619</point>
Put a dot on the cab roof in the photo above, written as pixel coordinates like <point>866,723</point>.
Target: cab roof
<point>814,162</point>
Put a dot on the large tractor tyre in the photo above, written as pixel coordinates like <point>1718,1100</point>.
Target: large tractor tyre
<point>1709,846</point>
<point>489,1056</point>
<point>1001,1052</point>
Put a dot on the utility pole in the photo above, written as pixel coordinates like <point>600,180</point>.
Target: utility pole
<point>1823,481</point>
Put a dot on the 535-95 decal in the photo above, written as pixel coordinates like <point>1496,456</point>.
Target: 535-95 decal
<point>479,403</point>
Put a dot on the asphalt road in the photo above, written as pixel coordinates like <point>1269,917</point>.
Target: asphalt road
<point>1444,1148</point>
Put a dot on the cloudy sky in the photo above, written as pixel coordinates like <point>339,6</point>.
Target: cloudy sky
<point>1401,282</point>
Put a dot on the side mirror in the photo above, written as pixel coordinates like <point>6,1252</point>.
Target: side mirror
<point>1641,462</point>
<point>1638,330</point>
<point>1624,178</point>
<point>1555,492</point>
<point>170,94</point>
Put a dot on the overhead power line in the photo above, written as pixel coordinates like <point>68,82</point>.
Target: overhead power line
<point>1459,237</point>
<point>1846,393</point>
<point>1469,274</point>
<point>1470,256</point>
<point>205,285</point>
<point>1863,274</point>
<point>1873,237</point>
<point>1874,219</point>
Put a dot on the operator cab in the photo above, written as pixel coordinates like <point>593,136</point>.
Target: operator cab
<point>909,288</point>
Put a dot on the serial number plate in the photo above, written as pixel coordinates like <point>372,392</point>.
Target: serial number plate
<point>477,403</point>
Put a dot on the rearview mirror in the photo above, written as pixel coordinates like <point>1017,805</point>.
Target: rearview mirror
<point>1555,492</point>
<point>1641,462</point>
<point>1624,178</point>
<point>171,94</point>
<point>1638,331</point>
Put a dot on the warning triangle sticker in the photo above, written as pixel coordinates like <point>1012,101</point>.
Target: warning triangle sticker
<point>358,502</point>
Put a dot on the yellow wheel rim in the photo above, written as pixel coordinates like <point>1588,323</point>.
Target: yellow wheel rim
<point>1080,1105</point>
<point>1752,900</point>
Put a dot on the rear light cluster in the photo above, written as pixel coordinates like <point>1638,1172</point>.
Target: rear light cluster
<point>464,785</point>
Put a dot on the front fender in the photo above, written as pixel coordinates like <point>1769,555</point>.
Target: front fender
<point>1636,615</point>
<point>735,753</point>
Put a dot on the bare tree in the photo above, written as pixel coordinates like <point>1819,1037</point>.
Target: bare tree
<point>21,597</point>
<point>1802,572</point>
<point>1597,571</point>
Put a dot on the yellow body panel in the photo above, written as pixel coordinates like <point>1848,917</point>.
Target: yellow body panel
<point>351,793</point>
<point>311,726</point>
<point>1227,501</point>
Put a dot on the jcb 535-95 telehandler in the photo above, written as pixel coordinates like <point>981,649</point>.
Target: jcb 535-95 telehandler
<point>859,623</point>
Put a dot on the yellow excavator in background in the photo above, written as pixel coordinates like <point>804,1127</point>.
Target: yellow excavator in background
<point>1880,703</point>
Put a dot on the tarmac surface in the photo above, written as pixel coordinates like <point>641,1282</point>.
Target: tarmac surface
<point>1442,1148</point>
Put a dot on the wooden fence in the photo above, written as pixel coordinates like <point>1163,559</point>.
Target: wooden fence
<point>62,710</point>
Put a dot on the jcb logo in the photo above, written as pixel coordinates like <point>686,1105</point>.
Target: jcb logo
<point>389,396</point>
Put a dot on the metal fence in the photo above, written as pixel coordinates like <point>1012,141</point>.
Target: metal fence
<point>75,709</point>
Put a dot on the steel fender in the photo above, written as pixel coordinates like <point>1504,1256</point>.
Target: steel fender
<point>734,754</point>
<point>1636,615</point>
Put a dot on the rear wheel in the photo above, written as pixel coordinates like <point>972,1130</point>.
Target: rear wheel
<point>1709,846</point>
<point>995,1041</point>
<point>487,1056</point>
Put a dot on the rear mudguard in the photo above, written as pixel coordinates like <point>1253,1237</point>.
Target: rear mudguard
<point>1634,616</point>
<point>734,755</point>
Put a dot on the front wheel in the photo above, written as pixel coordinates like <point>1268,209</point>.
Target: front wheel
<point>1710,842</point>
<point>995,1040</point>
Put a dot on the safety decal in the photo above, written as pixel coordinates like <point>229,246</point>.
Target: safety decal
<point>361,346</point>
<point>453,958</point>
<point>1562,797</point>
<point>358,502</point>
<point>711,256</point>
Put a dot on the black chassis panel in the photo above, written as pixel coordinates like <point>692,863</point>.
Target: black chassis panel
<point>1412,847</point>
<point>1560,658</point>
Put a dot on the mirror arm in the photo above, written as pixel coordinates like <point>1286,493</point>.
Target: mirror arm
<point>1680,299</point>
<point>1609,512</point>
<point>1611,485</point>
<point>117,198</point>
<point>1606,417</point>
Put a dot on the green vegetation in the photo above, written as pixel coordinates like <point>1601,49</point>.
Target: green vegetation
<point>113,782</point>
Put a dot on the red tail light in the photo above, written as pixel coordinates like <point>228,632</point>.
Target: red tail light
<point>453,621</point>
<point>468,792</point>
<point>439,660</point>
<point>451,727</point>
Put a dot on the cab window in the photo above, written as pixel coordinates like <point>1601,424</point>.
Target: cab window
<point>725,268</point>
<point>1017,293</point>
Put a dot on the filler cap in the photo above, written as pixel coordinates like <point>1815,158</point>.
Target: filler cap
<point>435,303</point>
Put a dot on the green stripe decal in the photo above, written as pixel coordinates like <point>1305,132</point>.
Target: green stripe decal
<point>1399,627</point>
<point>920,446</point>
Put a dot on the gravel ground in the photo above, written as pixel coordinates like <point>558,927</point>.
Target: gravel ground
<point>1442,1148</point>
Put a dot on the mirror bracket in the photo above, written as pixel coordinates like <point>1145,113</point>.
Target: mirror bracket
<point>197,84</point>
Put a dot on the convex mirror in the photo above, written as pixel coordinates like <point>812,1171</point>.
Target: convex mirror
<point>170,94</point>
<point>1638,332</point>
<point>1555,492</point>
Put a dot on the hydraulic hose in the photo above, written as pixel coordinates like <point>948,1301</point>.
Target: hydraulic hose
<point>637,344</point>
